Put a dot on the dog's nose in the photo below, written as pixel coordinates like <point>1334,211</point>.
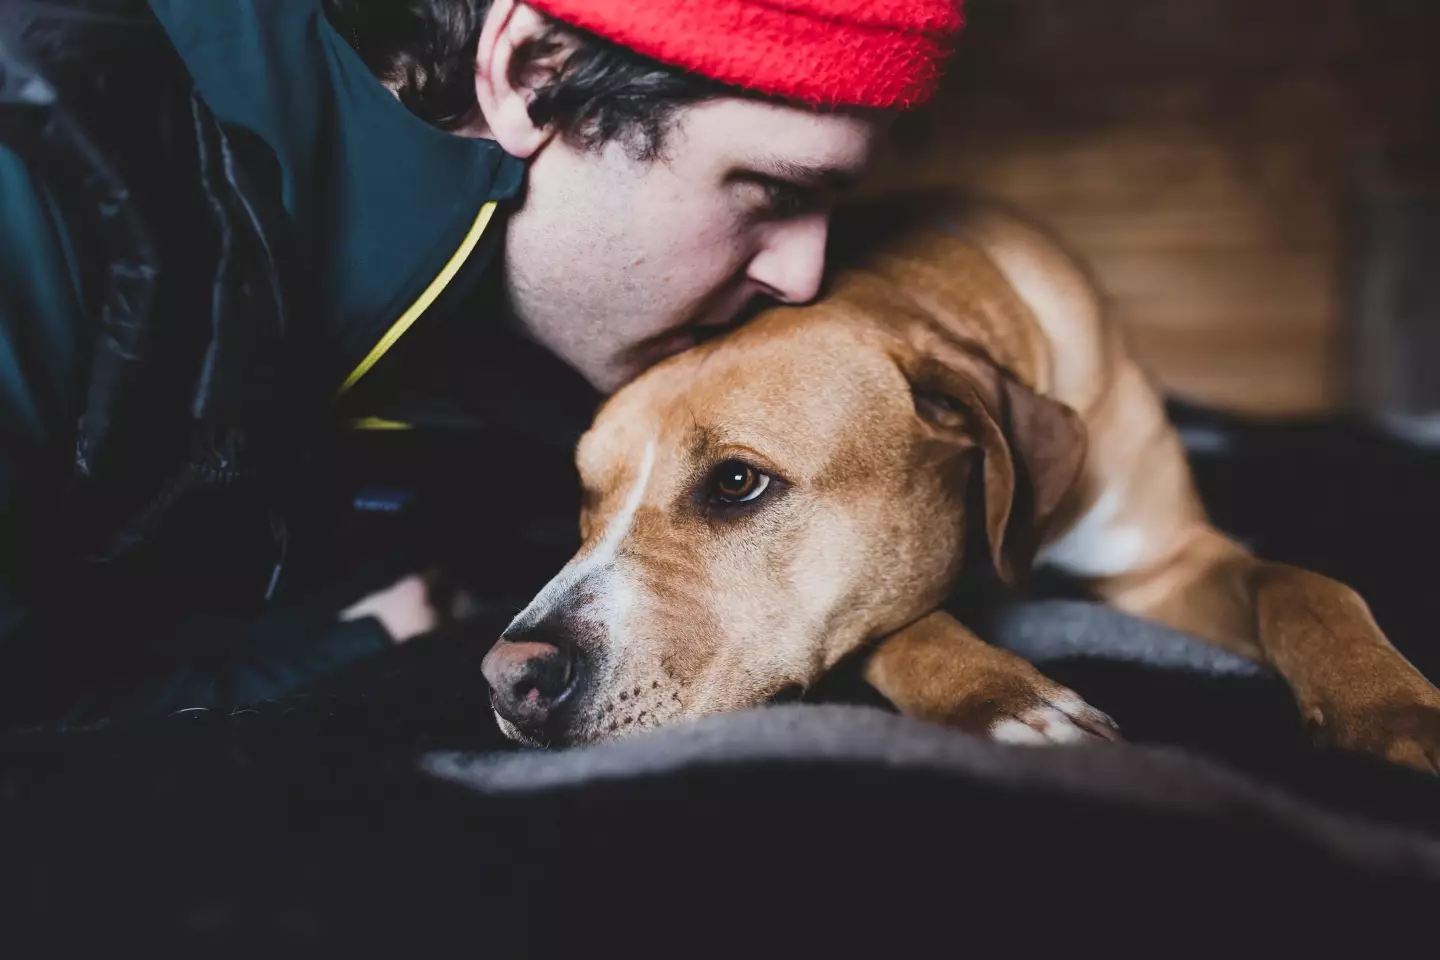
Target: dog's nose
<point>530,678</point>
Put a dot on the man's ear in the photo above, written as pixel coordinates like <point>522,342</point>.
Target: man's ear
<point>1033,447</point>
<point>508,68</point>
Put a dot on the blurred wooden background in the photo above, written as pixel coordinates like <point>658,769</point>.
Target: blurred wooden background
<point>1199,155</point>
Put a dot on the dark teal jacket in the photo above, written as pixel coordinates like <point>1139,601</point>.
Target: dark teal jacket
<point>215,227</point>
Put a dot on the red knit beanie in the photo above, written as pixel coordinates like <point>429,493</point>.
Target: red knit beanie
<point>857,53</point>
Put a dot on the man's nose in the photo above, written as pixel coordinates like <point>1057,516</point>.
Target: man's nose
<point>532,672</point>
<point>791,263</point>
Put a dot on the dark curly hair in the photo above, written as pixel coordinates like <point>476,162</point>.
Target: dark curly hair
<point>601,92</point>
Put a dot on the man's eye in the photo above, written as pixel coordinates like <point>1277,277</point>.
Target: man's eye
<point>786,200</point>
<point>737,482</point>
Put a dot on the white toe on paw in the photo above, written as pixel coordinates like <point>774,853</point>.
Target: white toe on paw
<point>1064,719</point>
<point>1014,731</point>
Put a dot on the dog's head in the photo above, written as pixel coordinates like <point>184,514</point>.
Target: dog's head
<point>763,505</point>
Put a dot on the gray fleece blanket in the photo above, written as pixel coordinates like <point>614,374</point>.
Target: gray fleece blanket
<point>1140,778</point>
<point>1051,631</point>
<point>387,821</point>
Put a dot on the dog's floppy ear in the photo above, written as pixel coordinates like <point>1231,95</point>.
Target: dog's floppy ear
<point>1033,447</point>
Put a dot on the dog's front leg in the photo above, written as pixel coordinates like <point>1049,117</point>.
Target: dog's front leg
<point>937,670</point>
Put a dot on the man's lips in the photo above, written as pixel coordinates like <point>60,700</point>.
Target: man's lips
<point>649,352</point>
<point>663,347</point>
<point>678,342</point>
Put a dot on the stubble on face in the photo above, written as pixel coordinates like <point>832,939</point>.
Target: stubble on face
<point>614,263</point>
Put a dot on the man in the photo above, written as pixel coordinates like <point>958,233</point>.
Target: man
<point>228,228</point>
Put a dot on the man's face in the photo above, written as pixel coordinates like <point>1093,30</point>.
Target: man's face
<point>614,263</point>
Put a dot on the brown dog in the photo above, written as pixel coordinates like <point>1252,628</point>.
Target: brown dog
<point>762,506</point>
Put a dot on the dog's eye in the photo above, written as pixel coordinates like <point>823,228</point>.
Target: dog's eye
<point>737,482</point>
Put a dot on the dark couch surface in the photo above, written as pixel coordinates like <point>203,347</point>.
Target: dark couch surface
<point>383,815</point>
<point>836,829</point>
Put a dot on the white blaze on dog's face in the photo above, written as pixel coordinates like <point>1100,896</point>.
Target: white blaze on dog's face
<point>754,510</point>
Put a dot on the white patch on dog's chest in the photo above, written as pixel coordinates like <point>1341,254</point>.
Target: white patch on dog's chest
<point>1097,546</point>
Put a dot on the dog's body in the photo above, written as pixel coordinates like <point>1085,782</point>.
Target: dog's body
<point>765,505</point>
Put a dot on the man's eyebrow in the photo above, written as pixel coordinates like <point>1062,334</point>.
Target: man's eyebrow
<point>806,174</point>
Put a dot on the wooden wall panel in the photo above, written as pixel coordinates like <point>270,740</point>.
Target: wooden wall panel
<point>1197,154</point>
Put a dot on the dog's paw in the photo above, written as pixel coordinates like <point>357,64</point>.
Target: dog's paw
<point>1404,731</point>
<point>1060,716</point>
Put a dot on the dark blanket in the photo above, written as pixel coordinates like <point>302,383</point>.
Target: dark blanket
<point>385,818</point>
<point>383,815</point>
